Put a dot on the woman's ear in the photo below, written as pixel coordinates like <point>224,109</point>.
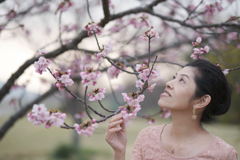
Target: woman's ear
<point>203,101</point>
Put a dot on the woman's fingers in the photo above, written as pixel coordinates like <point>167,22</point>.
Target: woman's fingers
<point>116,117</point>
<point>115,123</point>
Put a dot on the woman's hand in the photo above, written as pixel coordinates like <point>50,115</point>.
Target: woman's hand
<point>117,136</point>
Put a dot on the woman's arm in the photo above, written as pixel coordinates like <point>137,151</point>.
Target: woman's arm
<point>117,137</point>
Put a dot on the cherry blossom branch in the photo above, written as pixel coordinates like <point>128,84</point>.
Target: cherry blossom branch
<point>85,102</point>
<point>104,107</point>
<point>145,86</point>
<point>10,122</point>
<point>67,126</point>
<point>193,11</point>
<point>109,60</point>
<point>105,5</point>
<point>89,11</point>
<point>113,93</point>
<point>101,115</point>
<point>234,69</point>
<point>80,100</point>
<point>109,116</point>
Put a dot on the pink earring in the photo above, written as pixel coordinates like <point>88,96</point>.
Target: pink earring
<point>194,116</point>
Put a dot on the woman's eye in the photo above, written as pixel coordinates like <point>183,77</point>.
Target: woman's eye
<point>173,77</point>
<point>182,80</point>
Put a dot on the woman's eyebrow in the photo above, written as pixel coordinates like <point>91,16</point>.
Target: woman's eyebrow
<point>184,75</point>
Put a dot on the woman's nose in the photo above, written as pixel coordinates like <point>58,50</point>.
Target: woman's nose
<point>169,85</point>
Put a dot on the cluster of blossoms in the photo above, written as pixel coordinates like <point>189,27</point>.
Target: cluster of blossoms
<point>89,76</point>
<point>140,84</point>
<point>198,51</point>
<point>68,28</point>
<point>225,71</point>
<point>133,98</point>
<point>137,24</point>
<point>42,64</point>
<point>166,113</point>
<point>86,129</point>
<point>63,78</point>
<point>114,71</point>
<point>130,110</point>
<point>106,49</point>
<point>211,9</point>
<point>63,6</point>
<point>144,72</point>
<point>11,14</point>
<point>40,115</point>
<point>93,28</point>
<point>97,94</point>
<point>150,120</point>
<point>149,35</point>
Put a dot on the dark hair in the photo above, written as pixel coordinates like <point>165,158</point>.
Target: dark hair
<point>210,80</point>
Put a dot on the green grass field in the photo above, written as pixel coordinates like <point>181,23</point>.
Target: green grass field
<point>24,141</point>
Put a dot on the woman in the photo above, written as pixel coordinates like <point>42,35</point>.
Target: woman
<point>198,90</point>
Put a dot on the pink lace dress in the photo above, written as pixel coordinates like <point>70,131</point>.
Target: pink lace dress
<point>148,146</point>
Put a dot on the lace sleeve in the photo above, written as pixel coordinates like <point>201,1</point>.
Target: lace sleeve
<point>232,155</point>
<point>137,148</point>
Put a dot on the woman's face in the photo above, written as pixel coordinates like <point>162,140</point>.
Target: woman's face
<point>179,92</point>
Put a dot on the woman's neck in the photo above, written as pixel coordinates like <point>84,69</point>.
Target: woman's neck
<point>183,127</point>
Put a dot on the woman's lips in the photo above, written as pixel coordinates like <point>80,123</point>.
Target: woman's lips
<point>165,94</point>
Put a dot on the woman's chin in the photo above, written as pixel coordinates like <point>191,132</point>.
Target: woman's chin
<point>162,104</point>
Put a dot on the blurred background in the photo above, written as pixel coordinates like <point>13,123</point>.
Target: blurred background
<point>27,26</point>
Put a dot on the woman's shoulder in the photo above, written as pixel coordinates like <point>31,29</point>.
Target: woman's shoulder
<point>223,149</point>
<point>151,130</point>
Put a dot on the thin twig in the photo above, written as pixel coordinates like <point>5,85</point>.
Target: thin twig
<point>85,102</point>
<point>89,11</point>
<point>193,11</point>
<point>105,108</point>
<point>113,93</point>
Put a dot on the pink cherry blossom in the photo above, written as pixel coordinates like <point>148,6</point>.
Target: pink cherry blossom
<point>133,98</point>
<point>199,40</point>
<point>41,65</point>
<point>97,94</point>
<point>139,84</point>
<point>151,87</point>
<point>63,6</point>
<point>140,21</point>
<point>225,71</point>
<point>206,49</point>
<point>149,34</point>
<point>129,112</point>
<point>39,114</point>
<point>166,114</point>
<point>86,129</point>
<point>106,49</point>
<point>56,119</point>
<point>93,28</point>
<point>89,76</point>
<point>151,121</point>
<point>114,71</point>
<point>144,72</point>
<point>63,78</point>
<point>42,51</point>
